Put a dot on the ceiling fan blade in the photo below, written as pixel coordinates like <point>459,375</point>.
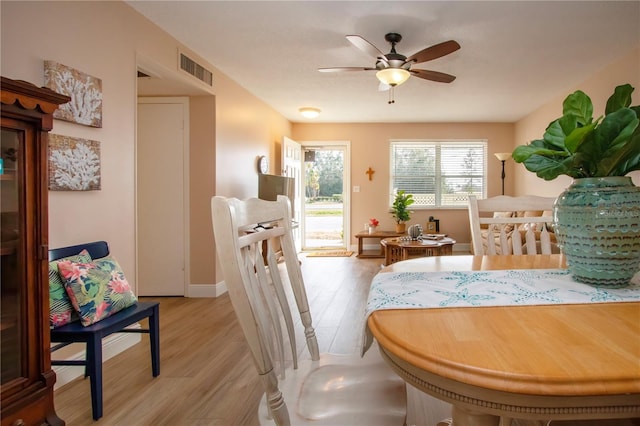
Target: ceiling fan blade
<point>383,87</point>
<point>345,69</point>
<point>365,46</point>
<point>434,52</point>
<point>433,75</point>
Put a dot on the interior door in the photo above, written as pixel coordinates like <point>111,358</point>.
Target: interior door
<point>161,152</point>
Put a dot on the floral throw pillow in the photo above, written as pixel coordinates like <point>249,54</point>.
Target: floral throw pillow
<point>97,289</point>
<point>61,312</point>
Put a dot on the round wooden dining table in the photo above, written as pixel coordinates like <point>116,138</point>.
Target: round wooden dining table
<point>543,362</point>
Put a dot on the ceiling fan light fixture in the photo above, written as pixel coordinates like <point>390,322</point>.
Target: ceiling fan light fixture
<point>393,76</point>
<point>309,112</point>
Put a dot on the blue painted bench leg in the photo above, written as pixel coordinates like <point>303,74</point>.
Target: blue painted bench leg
<point>94,353</point>
<point>154,340</point>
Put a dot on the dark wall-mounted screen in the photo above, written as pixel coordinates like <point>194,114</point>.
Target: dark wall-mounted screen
<point>270,186</point>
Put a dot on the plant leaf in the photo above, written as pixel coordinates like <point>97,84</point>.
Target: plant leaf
<point>578,136</point>
<point>537,147</point>
<point>549,168</point>
<point>621,98</point>
<point>568,123</point>
<point>616,128</point>
<point>624,158</point>
<point>555,133</point>
<point>579,105</point>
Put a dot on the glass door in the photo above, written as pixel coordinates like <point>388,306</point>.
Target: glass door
<point>12,316</point>
<point>324,209</point>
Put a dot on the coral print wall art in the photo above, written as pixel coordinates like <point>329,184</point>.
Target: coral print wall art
<point>85,91</point>
<point>74,164</point>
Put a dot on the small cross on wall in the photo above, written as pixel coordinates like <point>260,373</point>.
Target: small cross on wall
<point>370,172</point>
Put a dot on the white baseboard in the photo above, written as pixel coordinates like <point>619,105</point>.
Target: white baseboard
<point>354,247</point>
<point>462,247</point>
<point>207,290</point>
<point>111,346</point>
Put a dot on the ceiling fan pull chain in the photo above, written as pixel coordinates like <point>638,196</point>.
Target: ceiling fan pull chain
<point>392,99</point>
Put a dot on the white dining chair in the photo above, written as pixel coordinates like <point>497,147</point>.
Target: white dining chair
<point>326,389</point>
<point>512,225</point>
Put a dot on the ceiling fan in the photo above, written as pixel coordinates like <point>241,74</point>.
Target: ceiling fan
<point>393,69</point>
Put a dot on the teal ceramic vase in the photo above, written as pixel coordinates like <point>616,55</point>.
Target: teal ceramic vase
<point>597,224</point>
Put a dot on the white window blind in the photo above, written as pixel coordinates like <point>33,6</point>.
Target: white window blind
<point>439,173</point>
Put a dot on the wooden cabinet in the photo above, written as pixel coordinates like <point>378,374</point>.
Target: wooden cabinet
<point>26,382</point>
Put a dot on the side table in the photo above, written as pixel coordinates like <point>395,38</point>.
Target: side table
<point>396,249</point>
<point>380,235</point>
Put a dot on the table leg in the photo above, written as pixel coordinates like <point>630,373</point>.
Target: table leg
<point>360,246</point>
<point>424,409</point>
<point>463,417</point>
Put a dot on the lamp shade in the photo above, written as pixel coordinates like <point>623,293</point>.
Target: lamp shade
<point>309,112</point>
<point>393,76</point>
<point>503,156</point>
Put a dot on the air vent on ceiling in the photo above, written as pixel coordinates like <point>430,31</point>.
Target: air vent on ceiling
<point>195,69</point>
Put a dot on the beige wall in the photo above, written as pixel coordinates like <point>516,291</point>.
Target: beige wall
<point>370,148</point>
<point>246,130</point>
<point>599,87</point>
<point>104,39</point>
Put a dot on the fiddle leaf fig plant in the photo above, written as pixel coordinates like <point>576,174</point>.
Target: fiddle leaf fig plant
<point>578,146</point>
<point>399,208</point>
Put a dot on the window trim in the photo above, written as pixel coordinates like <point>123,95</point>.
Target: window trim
<point>438,176</point>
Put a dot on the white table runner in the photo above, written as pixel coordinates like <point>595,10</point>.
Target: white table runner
<point>415,290</point>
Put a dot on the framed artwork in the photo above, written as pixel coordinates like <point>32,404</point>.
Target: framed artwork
<point>431,228</point>
<point>74,164</point>
<point>85,91</point>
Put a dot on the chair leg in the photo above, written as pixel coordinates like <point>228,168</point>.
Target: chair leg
<point>88,356</point>
<point>154,340</point>
<point>94,358</point>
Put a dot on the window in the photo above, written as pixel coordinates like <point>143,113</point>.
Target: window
<point>439,173</point>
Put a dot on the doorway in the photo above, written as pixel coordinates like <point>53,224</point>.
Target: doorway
<point>326,202</point>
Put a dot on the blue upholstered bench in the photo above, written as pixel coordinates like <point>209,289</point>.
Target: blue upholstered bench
<point>93,334</point>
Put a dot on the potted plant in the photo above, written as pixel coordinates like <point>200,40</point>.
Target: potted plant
<point>399,210</point>
<point>373,225</point>
<point>597,216</point>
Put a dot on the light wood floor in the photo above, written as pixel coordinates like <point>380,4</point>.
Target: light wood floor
<point>206,373</point>
<point>207,376</point>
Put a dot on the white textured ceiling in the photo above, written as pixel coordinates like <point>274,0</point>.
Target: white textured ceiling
<point>515,55</point>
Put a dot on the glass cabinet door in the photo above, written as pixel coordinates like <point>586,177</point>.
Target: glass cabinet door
<point>11,273</point>
<point>26,376</point>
